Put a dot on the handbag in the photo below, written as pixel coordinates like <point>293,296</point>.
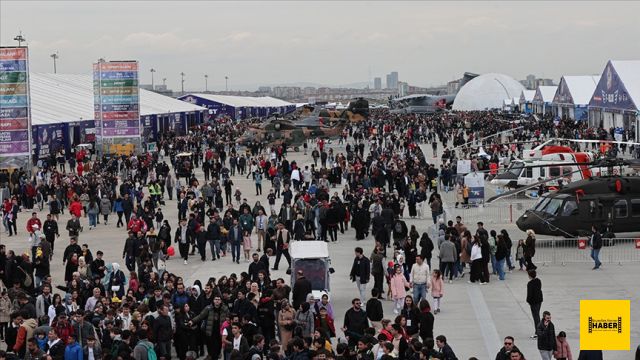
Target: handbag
<point>27,279</point>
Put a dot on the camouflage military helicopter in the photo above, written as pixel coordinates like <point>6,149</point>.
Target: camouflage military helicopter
<point>281,131</point>
<point>356,111</point>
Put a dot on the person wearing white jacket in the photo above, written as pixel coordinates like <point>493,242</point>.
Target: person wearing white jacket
<point>476,260</point>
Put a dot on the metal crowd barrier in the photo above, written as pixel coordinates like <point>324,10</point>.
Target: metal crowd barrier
<point>494,213</point>
<point>562,251</point>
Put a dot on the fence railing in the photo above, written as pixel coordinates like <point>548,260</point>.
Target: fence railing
<point>562,251</point>
<point>494,213</point>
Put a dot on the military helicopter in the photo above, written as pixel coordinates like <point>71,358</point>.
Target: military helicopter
<point>281,131</point>
<point>356,111</point>
<point>609,202</point>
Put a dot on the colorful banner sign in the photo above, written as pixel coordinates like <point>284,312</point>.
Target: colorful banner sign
<point>15,117</point>
<point>117,104</point>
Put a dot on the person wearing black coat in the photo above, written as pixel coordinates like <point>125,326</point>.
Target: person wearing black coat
<point>266,317</point>
<point>375,313</point>
<point>255,267</point>
<point>379,230</point>
<point>333,218</point>
<point>360,221</point>
<point>486,257</point>
<point>597,355</point>
<point>530,250</point>
<point>501,255</point>
<point>301,288</point>
<point>50,229</point>
<point>426,248</point>
<point>534,297</point>
<point>426,321</point>
<point>546,336</point>
<point>360,272</point>
<point>355,322</point>
<point>400,232</point>
<point>127,207</point>
<point>596,244</point>
<point>298,228</point>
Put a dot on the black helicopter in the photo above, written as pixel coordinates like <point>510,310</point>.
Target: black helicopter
<point>612,203</point>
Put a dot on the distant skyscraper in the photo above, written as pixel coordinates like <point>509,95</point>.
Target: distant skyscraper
<point>392,80</point>
<point>530,82</point>
<point>377,83</point>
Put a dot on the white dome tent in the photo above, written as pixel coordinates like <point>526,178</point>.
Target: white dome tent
<point>487,91</point>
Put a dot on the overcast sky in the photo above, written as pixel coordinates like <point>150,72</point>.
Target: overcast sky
<point>327,42</point>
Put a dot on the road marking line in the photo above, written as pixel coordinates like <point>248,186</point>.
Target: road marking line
<point>485,321</point>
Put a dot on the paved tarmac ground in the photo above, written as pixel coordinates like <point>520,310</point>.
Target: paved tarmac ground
<point>474,318</point>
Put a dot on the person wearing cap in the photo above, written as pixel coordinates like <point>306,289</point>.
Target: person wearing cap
<point>36,237</point>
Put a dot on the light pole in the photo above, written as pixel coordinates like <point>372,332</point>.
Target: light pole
<point>152,84</point>
<point>55,57</point>
<point>226,83</point>
<point>164,81</point>
<point>206,84</point>
<point>20,39</point>
<point>182,81</point>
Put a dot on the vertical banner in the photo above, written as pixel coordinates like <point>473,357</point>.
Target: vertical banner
<point>15,114</point>
<point>117,105</point>
<point>475,182</point>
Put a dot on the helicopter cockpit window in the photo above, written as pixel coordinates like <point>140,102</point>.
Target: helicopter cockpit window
<point>569,206</point>
<point>541,203</point>
<point>553,206</point>
<point>620,209</point>
<point>516,168</point>
<point>554,171</point>
<point>635,207</point>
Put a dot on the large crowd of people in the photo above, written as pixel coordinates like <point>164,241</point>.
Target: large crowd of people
<point>102,310</point>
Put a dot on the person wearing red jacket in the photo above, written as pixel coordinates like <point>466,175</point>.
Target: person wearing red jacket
<point>324,324</point>
<point>25,332</point>
<point>33,221</point>
<point>62,328</point>
<point>80,157</point>
<point>136,224</point>
<point>76,208</point>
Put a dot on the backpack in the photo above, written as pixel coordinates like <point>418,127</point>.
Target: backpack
<point>151,353</point>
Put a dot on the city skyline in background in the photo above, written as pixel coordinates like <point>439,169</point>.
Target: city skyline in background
<point>242,46</point>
